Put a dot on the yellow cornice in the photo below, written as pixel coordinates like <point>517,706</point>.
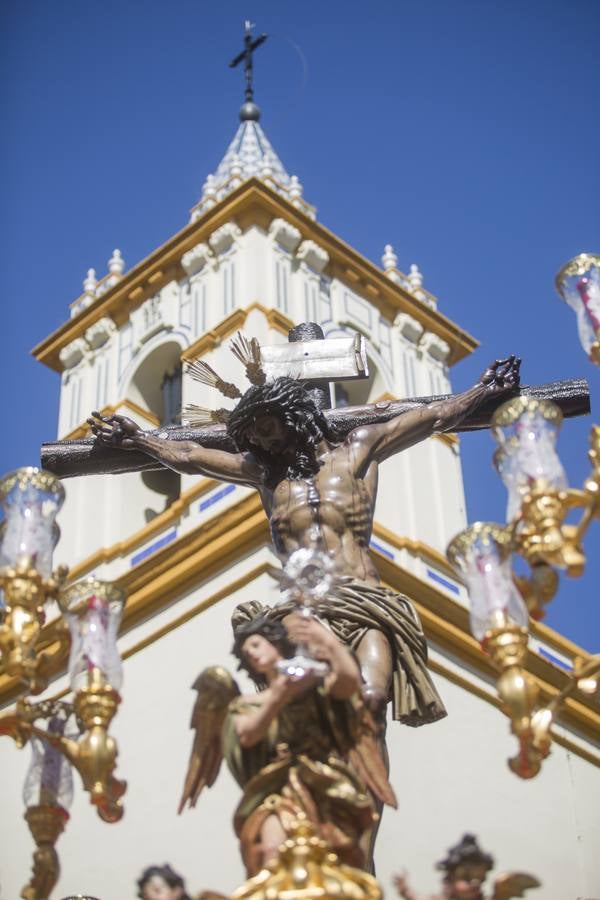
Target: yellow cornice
<point>194,557</point>
<point>464,683</point>
<point>252,203</point>
<point>435,665</point>
<point>251,575</point>
<point>236,320</point>
<point>446,623</point>
<point>417,548</point>
<point>214,546</point>
<point>159,523</point>
<point>154,584</point>
<point>83,429</point>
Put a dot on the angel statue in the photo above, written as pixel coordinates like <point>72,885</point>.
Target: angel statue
<point>465,870</point>
<point>302,746</point>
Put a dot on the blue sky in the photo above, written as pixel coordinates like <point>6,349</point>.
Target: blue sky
<point>464,133</point>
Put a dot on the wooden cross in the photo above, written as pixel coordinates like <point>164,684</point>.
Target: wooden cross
<point>88,457</point>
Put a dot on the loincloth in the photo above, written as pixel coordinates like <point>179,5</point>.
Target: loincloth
<point>351,610</point>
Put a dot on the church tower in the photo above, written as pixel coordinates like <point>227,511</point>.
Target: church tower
<point>255,257</point>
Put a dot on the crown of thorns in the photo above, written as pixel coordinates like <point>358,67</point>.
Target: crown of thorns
<point>281,394</point>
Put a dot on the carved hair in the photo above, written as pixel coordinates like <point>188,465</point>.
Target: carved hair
<point>467,851</point>
<point>289,400</point>
<point>274,632</point>
<point>168,875</point>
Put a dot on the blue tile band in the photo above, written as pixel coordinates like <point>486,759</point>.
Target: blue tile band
<point>152,548</point>
<point>555,659</point>
<point>218,495</point>
<point>383,550</point>
<point>435,576</point>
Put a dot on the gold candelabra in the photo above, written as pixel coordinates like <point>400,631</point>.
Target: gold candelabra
<point>305,868</point>
<point>539,502</point>
<point>62,735</point>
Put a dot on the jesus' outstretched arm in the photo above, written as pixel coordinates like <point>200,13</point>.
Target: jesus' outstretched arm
<point>181,456</point>
<point>408,428</point>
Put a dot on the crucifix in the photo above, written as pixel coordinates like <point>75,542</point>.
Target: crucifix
<point>250,45</point>
<point>316,471</point>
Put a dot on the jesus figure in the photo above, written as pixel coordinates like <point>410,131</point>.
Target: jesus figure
<point>318,491</point>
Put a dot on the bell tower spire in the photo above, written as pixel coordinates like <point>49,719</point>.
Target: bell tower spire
<point>250,154</point>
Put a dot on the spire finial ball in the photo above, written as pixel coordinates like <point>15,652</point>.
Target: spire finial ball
<point>249,112</point>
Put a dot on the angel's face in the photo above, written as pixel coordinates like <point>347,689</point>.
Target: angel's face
<point>466,882</point>
<point>156,888</point>
<point>260,655</point>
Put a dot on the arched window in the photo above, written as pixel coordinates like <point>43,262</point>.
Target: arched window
<point>156,384</point>
<point>356,393</point>
<point>156,387</point>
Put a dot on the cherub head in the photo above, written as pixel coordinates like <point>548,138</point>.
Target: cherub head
<point>466,867</point>
<point>259,644</point>
<point>281,425</point>
<point>161,883</point>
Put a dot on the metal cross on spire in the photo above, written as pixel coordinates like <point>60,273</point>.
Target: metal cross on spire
<point>249,110</point>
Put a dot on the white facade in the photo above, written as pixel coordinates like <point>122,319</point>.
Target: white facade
<point>190,550</point>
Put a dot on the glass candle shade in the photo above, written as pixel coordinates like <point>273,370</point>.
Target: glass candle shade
<point>578,283</point>
<point>481,554</point>
<point>30,499</point>
<point>49,779</point>
<point>93,611</point>
<point>526,430</point>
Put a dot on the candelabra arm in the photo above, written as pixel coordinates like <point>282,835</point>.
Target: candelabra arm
<point>581,672</point>
<point>507,646</point>
<point>540,534</point>
<point>577,533</point>
<point>538,589</point>
<point>94,754</point>
<point>25,594</point>
<point>46,824</point>
<point>12,726</point>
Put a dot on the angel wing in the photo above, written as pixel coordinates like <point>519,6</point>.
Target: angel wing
<point>513,884</point>
<point>216,689</point>
<point>366,760</point>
